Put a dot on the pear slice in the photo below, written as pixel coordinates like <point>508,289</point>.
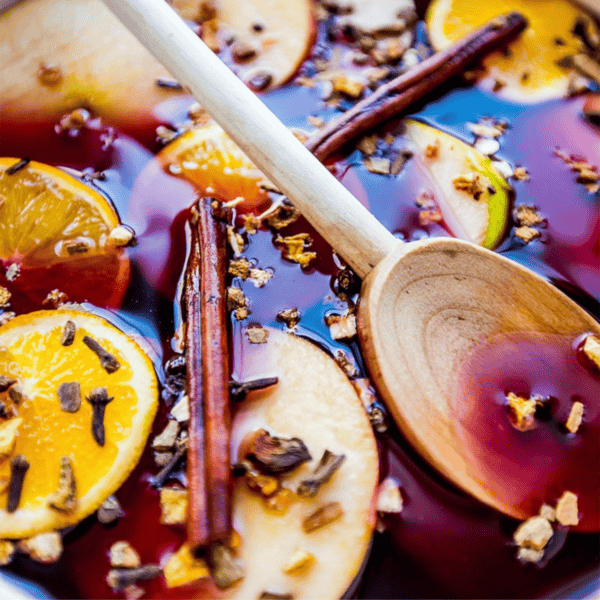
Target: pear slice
<point>279,31</point>
<point>58,55</point>
<point>313,401</point>
<point>482,219</point>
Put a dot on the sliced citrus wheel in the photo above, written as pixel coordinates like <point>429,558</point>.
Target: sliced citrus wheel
<point>528,70</point>
<point>214,164</point>
<point>31,353</point>
<point>55,230</point>
<point>476,211</point>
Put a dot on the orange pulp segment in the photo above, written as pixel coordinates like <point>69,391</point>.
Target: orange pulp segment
<point>528,70</point>
<point>31,352</point>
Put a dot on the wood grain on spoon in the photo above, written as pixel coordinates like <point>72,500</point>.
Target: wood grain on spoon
<point>480,282</point>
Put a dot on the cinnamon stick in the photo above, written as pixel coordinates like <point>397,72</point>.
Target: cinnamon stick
<point>403,91</point>
<point>207,358</point>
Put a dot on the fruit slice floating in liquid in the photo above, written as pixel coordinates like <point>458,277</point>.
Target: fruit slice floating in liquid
<point>528,70</point>
<point>54,229</point>
<point>313,401</point>
<point>214,164</point>
<point>31,352</point>
<point>481,219</point>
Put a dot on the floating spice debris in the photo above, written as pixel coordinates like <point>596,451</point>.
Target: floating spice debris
<point>110,510</point>
<point>238,390</point>
<point>289,316</point>
<point>299,562</point>
<point>6,382</point>
<point>49,75</point>
<point>173,506</point>
<point>121,554</point>
<point>44,548</point>
<point>264,485</point>
<point>389,499</point>
<point>575,417</point>
<point>259,277</point>
<point>18,468</point>
<point>74,121</point>
<point>522,411</point>
<point>180,451</point>
<point>276,455</point>
<point>98,398</point>
<point>323,472</point>
<point>472,184</point>
<point>69,396</point>
<point>368,145</point>
<point>55,298</point>
<point>591,349</point>
<point>527,215</point>
<point>547,512</point>
<point>122,236</point>
<point>119,579</point>
<point>21,164</point>
<point>167,438</point>
<point>68,334</point>
<point>13,271</point>
<point>107,360</point>
<point>181,411</point>
<point>240,267</point>
<point>168,84</point>
<point>5,296</point>
<point>381,166</point>
<point>237,303</point>
<point>521,174</point>
<point>567,512</point>
<point>295,246</point>
<point>184,567</point>
<point>341,326</point>
<point>224,568</point>
<point>76,247</point>
<point>526,234</point>
<point>65,497</point>
<point>257,334</point>
<point>285,214</point>
<point>324,515</point>
<point>533,533</point>
<point>8,436</point>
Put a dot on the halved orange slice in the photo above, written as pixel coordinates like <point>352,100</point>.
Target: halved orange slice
<point>55,230</point>
<point>31,352</point>
<point>209,159</point>
<point>528,70</point>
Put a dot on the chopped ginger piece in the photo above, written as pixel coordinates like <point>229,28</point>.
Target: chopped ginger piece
<point>566,509</point>
<point>591,348</point>
<point>173,506</point>
<point>298,562</point>
<point>575,417</point>
<point>183,568</point>
<point>122,554</point>
<point>522,411</point>
<point>43,548</point>
<point>533,533</point>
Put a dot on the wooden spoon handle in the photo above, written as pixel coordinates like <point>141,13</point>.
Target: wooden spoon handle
<point>349,227</point>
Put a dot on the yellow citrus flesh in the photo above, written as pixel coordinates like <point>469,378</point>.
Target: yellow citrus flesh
<point>44,211</point>
<point>214,164</point>
<point>31,352</point>
<point>528,70</point>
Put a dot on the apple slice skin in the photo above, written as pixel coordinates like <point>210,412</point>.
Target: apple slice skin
<point>316,402</point>
<point>482,221</point>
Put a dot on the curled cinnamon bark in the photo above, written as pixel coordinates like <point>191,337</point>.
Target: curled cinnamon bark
<point>400,93</point>
<point>207,357</point>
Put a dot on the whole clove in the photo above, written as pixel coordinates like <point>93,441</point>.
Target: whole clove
<point>180,451</point>
<point>224,569</point>
<point>107,360</point>
<point>327,466</point>
<point>273,455</point>
<point>6,382</point>
<point>18,166</point>
<point>68,334</point>
<point>98,398</point>
<point>119,579</point>
<point>239,390</point>
<point>18,468</point>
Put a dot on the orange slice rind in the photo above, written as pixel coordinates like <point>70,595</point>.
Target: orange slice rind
<point>528,70</point>
<point>31,352</point>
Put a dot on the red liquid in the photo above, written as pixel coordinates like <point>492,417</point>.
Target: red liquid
<point>444,544</point>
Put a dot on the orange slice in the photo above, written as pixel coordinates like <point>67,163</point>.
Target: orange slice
<point>528,71</point>
<point>55,229</point>
<point>214,164</point>
<point>31,352</point>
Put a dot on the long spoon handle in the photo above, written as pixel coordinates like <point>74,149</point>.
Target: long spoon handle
<point>349,227</point>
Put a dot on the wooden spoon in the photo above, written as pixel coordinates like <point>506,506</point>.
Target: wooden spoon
<point>424,305</point>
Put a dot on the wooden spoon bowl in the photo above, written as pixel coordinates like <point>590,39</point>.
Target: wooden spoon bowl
<point>423,310</point>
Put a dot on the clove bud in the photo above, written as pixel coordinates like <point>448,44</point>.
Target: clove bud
<point>18,468</point>
<point>98,398</point>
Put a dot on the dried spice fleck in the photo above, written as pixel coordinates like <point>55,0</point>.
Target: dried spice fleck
<point>18,469</point>
<point>472,184</point>
<point>167,438</point>
<point>547,512</point>
<point>224,568</point>
<point>533,533</point>
<point>65,497</point>
<point>74,121</point>
<point>68,334</point>
<point>44,548</point>
<point>521,174</point>
<point>69,396</point>
<point>259,277</point>
<point>275,455</point>
<point>168,84</point>
<point>341,326</point>
<point>526,234</point>
<point>289,316</point>
<point>5,296</point>
<point>591,349</point>
<point>55,298</point>
<point>567,512</point>
<point>76,247</point>
<point>575,417</point>
<point>323,472</point>
<point>107,360</point>
<point>324,515</point>
<point>527,215</point>
<point>180,451</point>
<point>184,567</point>
<point>294,249</point>
<point>13,270</point>
<point>257,334</point>
<point>173,506</point>
<point>20,164</point>
<point>110,510</point>
<point>381,166</point>
<point>98,398</point>
<point>522,411</point>
<point>122,236</point>
<point>122,554</point>
<point>259,80</point>
<point>119,579</point>
<point>239,390</point>
<point>240,267</point>
<point>389,499</point>
<point>368,145</point>
<point>348,86</point>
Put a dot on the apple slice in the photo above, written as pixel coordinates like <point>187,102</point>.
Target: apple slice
<point>275,35</point>
<point>313,401</point>
<point>58,55</point>
<point>479,216</point>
